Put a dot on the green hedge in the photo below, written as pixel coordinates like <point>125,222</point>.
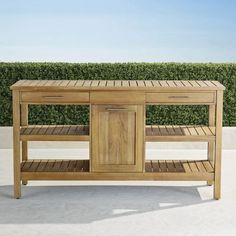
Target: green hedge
<point>224,73</point>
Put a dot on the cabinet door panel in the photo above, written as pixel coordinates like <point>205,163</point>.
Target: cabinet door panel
<point>114,138</point>
<point>117,137</point>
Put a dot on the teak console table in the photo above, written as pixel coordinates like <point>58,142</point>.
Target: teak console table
<point>117,132</point>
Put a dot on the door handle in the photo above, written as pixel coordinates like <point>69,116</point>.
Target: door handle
<point>53,97</point>
<point>178,96</point>
<point>117,109</point>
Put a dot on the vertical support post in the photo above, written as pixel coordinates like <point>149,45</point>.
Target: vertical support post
<point>90,137</point>
<point>24,122</point>
<point>16,143</point>
<point>140,137</point>
<point>218,144</point>
<point>211,145</point>
<point>144,135</point>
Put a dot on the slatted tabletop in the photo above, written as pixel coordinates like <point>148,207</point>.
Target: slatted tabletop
<point>185,166</point>
<point>116,85</point>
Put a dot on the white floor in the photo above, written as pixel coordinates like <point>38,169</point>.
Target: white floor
<point>117,208</point>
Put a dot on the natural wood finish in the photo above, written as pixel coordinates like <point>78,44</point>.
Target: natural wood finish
<point>24,121</point>
<point>181,98</point>
<point>218,145</point>
<point>117,97</point>
<point>55,133</point>
<point>179,166</point>
<point>90,144</point>
<point>154,170</point>
<point>211,145</point>
<point>54,97</point>
<point>55,165</point>
<point>118,131</point>
<point>135,85</point>
<point>164,133</point>
<point>150,166</point>
<point>117,138</point>
<point>117,176</point>
<point>16,144</point>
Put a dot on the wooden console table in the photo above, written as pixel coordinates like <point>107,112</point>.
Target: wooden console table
<point>117,132</point>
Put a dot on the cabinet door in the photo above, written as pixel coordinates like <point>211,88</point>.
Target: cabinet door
<point>117,138</point>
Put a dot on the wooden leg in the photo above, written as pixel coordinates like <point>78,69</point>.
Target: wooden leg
<point>211,145</point>
<point>218,145</point>
<point>24,121</point>
<point>24,157</point>
<point>16,144</point>
<point>211,152</point>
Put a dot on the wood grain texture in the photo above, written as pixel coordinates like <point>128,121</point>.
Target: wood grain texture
<point>145,85</point>
<point>121,97</point>
<point>181,97</point>
<point>154,170</point>
<point>218,145</point>
<point>179,133</point>
<point>16,144</point>
<point>51,165</point>
<point>51,97</point>
<point>211,145</point>
<point>55,133</point>
<point>115,138</point>
<point>179,166</point>
<point>118,131</point>
<point>24,122</point>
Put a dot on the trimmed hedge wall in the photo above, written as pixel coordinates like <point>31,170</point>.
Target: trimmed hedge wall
<point>224,73</point>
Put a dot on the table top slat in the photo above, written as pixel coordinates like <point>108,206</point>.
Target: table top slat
<point>140,85</point>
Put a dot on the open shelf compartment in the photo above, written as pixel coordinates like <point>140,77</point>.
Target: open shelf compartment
<point>179,166</point>
<point>164,133</point>
<point>194,170</point>
<point>154,170</point>
<point>55,166</point>
<point>55,133</point>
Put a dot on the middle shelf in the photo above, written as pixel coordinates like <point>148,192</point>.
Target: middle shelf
<point>165,133</point>
<point>55,133</point>
<point>154,133</point>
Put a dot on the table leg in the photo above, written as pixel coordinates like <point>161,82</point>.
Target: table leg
<point>218,145</point>
<point>211,145</point>
<point>24,122</point>
<point>16,144</point>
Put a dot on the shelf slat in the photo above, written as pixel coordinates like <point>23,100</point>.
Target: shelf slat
<point>55,166</point>
<point>164,133</point>
<point>115,84</point>
<point>179,166</point>
<point>154,170</point>
<point>55,133</point>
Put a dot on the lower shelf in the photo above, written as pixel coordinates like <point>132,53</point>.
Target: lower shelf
<point>154,170</point>
<point>178,166</point>
<point>55,166</point>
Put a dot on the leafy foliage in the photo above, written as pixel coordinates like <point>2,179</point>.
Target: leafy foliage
<point>224,73</point>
